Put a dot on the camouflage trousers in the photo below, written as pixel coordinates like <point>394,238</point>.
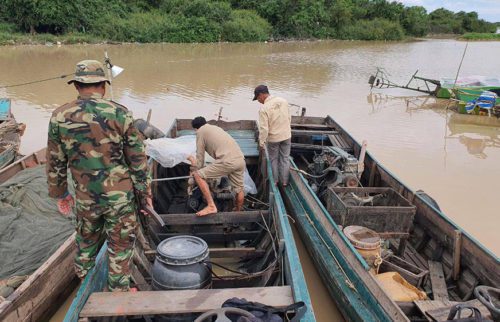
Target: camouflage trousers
<point>116,224</point>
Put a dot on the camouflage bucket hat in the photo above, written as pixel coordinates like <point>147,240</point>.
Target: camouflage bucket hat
<point>88,72</point>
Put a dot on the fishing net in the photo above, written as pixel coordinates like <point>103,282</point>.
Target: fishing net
<point>31,228</point>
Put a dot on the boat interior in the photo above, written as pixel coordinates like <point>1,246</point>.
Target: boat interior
<point>247,255</point>
<point>442,264</point>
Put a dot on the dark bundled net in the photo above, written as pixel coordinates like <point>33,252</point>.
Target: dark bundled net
<point>31,228</point>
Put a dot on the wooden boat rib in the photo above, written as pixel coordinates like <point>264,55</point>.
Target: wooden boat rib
<point>36,298</point>
<point>268,262</point>
<point>434,240</point>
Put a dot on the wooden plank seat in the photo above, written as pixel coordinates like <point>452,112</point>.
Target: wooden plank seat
<point>440,309</point>
<point>247,252</point>
<point>313,126</point>
<point>438,282</point>
<point>176,302</point>
<point>312,147</point>
<point>313,132</point>
<point>235,217</point>
<point>217,237</point>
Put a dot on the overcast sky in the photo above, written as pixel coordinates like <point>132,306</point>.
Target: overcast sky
<point>488,10</point>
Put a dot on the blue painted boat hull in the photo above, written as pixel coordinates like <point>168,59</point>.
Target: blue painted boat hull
<point>293,275</point>
<point>341,267</point>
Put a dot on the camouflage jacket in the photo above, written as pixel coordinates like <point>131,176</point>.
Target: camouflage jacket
<point>95,138</point>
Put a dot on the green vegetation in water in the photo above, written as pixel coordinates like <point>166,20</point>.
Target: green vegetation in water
<point>480,36</point>
<point>90,21</point>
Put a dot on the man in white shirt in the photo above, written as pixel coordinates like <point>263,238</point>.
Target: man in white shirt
<point>275,132</point>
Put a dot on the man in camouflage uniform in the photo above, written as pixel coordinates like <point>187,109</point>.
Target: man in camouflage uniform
<point>95,138</point>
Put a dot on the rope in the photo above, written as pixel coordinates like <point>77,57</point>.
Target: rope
<point>37,81</point>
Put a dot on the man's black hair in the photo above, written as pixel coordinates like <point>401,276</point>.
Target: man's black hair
<point>198,122</point>
<point>88,85</point>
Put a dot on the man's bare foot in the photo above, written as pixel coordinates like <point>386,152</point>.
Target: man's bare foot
<point>208,210</point>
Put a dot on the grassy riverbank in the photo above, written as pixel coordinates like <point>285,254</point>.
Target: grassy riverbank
<point>47,39</point>
<point>480,36</point>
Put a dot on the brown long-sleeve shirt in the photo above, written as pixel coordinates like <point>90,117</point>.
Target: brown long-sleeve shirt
<point>217,143</point>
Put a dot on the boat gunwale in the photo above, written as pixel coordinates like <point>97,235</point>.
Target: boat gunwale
<point>12,302</point>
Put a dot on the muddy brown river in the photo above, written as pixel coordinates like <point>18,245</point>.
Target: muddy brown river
<point>454,158</point>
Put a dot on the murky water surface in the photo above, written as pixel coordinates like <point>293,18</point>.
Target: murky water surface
<point>453,158</point>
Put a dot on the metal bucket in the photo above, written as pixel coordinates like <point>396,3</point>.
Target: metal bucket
<point>367,243</point>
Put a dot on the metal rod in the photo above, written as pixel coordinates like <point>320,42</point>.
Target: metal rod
<point>458,73</point>
<point>110,75</point>
<point>172,178</point>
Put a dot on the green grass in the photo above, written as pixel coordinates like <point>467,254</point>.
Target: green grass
<point>480,36</point>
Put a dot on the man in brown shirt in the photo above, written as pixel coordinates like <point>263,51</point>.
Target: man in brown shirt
<point>229,161</point>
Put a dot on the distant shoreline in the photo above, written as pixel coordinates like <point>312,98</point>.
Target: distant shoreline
<point>18,39</point>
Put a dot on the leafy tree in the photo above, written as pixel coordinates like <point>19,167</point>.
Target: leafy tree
<point>443,21</point>
<point>59,16</point>
<point>218,11</point>
<point>415,21</point>
<point>384,9</point>
<point>246,25</point>
<point>341,13</point>
<point>376,29</point>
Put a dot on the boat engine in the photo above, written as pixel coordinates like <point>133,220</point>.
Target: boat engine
<point>333,167</point>
<point>221,193</point>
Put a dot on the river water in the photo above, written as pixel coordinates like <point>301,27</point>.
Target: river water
<point>453,158</point>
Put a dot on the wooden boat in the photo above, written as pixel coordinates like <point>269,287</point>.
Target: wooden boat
<point>10,137</point>
<point>446,262</point>
<point>265,268</point>
<point>36,298</point>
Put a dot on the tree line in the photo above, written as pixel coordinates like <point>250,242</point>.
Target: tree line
<point>234,20</point>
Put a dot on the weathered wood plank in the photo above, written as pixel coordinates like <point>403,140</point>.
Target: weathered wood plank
<point>312,132</point>
<point>312,126</point>
<point>217,237</point>
<point>457,245</point>
<point>247,252</point>
<point>28,161</point>
<point>36,297</point>
<point>219,218</point>
<point>428,305</point>
<point>441,313</point>
<point>439,290</point>
<point>335,140</point>
<point>138,279</point>
<point>175,302</point>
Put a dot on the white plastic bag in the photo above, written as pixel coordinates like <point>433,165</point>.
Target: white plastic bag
<point>170,152</point>
<point>248,184</point>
